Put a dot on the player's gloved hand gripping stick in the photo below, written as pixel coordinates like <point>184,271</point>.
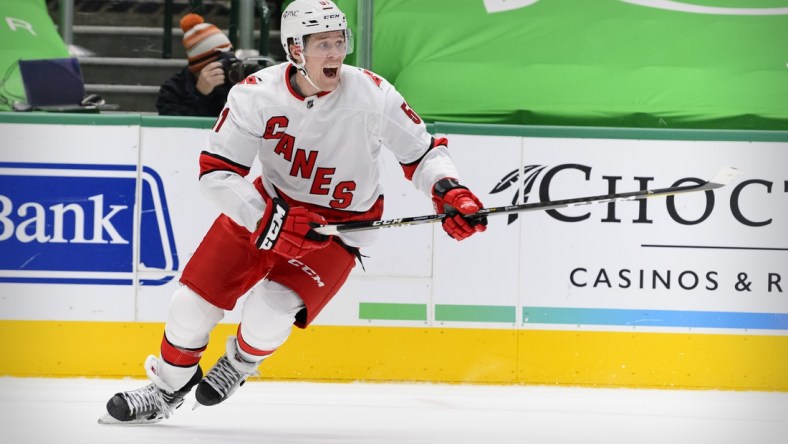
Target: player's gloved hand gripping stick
<point>289,231</point>
<point>456,201</point>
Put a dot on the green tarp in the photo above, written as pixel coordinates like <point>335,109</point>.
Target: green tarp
<point>26,32</point>
<point>623,63</point>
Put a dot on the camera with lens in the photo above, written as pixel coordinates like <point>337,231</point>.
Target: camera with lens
<point>235,70</point>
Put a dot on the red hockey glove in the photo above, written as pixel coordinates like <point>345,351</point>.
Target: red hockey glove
<point>457,201</point>
<point>287,230</point>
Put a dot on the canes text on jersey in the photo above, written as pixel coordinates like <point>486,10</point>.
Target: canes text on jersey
<point>303,164</point>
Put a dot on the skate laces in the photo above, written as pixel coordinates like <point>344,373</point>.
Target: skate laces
<point>224,378</point>
<point>149,399</point>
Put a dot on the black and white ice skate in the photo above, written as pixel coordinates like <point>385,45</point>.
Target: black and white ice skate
<point>149,404</point>
<point>229,373</point>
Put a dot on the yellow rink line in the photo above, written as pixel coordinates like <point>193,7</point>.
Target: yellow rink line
<point>332,353</point>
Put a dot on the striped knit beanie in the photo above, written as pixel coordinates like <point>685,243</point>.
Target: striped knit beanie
<point>201,41</point>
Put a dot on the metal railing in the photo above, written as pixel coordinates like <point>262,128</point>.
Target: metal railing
<point>364,39</point>
<point>241,28</point>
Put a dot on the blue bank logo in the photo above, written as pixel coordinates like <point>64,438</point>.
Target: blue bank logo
<point>78,224</point>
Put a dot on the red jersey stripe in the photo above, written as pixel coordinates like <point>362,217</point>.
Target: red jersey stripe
<point>330,214</point>
<point>410,168</point>
<point>213,162</point>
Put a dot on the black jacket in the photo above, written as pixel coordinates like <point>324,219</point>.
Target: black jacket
<point>178,96</point>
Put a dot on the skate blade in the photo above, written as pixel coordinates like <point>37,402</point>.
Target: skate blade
<point>109,420</point>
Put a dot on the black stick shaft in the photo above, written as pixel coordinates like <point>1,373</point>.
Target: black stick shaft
<point>722,178</point>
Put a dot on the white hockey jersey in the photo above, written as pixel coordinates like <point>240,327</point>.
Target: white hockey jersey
<point>322,151</point>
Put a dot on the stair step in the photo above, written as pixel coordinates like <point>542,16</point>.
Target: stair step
<point>145,31</point>
<point>129,70</point>
<point>133,61</point>
<point>139,12</point>
<point>125,30</point>
<point>132,89</point>
<point>141,41</point>
<point>126,39</point>
<point>129,98</point>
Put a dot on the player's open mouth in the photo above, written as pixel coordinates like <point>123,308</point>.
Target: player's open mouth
<point>330,72</point>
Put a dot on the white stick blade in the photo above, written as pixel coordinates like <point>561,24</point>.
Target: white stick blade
<point>725,176</point>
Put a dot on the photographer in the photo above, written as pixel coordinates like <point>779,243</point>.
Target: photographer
<point>201,88</point>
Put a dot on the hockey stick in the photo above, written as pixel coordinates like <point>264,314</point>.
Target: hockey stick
<point>723,177</point>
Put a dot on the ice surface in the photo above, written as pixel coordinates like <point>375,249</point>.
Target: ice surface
<point>66,410</point>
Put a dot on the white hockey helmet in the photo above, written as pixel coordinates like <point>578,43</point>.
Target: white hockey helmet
<point>304,17</point>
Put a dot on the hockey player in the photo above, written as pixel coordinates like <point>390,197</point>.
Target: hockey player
<point>317,127</point>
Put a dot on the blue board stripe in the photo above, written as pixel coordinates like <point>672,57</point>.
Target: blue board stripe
<point>655,318</point>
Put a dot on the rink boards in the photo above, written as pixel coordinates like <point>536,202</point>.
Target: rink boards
<point>100,213</point>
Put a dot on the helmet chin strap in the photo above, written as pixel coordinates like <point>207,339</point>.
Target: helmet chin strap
<point>302,69</point>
